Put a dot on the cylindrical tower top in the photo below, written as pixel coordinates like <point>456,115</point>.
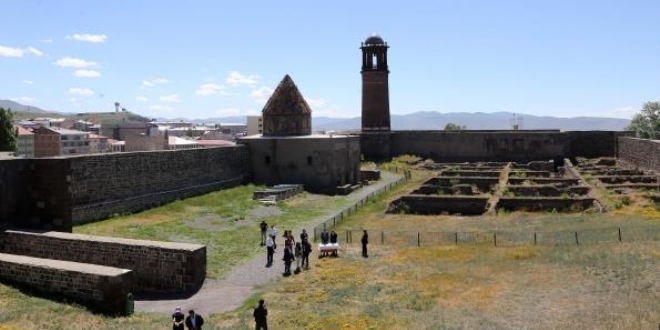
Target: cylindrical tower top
<point>374,53</point>
<point>374,39</point>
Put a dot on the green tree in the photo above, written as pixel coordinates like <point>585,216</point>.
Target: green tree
<point>454,127</point>
<point>646,123</point>
<point>8,133</point>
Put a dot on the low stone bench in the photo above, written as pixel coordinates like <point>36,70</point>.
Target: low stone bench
<point>158,266</point>
<point>98,287</point>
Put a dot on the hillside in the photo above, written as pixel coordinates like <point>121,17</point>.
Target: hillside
<point>479,121</point>
<point>17,107</point>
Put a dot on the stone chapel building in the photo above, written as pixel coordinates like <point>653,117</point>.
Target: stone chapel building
<point>288,153</point>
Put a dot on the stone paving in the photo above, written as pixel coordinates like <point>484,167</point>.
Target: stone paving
<point>241,282</point>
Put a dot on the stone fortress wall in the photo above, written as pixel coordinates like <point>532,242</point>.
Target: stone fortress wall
<point>56,193</point>
<point>641,153</point>
<point>517,146</point>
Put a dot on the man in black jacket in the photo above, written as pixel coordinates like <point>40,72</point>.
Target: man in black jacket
<point>194,321</point>
<point>365,241</point>
<point>260,314</point>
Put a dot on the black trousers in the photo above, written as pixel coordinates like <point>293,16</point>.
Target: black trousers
<point>364,249</point>
<point>270,255</point>
<point>261,325</point>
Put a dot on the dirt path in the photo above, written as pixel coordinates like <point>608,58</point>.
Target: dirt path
<point>239,284</point>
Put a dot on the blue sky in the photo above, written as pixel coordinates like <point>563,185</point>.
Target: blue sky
<point>200,59</point>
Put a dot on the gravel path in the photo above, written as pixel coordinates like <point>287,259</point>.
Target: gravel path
<point>239,284</point>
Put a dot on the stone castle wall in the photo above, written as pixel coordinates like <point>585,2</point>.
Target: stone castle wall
<point>107,184</point>
<point>13,190</point>
<point>56,193</point>
<point>157,266</point>
<point>592,144</point>
<point>641,153</point>
<point>464,146</point>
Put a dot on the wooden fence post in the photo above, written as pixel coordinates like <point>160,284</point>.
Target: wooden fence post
<point>495,239</point>
<point>619,234</point>
<point>534,238</point>
<point>382,237</point>
<point>418,242</point>
<point>577,241</point>
<point>456,238</point>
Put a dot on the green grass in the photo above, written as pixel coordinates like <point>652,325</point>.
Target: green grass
<point>231,235</point>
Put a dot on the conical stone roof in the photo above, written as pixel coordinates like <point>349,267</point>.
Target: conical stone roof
<point>287,112</point>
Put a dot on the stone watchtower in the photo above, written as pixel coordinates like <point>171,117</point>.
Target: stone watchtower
<point>287,113</point>
<point>375,137</point>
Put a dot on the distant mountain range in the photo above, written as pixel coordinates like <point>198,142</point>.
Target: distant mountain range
<point>423,120</point>
<point>430,120</point>
<point>17,107</point>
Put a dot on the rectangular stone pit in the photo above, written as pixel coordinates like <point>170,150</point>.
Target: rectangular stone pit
<point>471,173</point>
<point>544,204</point>
<point>547,191</point>
<point>565,182</point>
<point>99,288</point>
<point>484,184</point>
<point>429,205</point>
<point>158,266</point>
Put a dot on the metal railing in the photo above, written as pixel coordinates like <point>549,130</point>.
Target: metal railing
<point>337,218</point>
<point>504,238</point>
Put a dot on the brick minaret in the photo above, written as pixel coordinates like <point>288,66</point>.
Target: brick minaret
<point>375,138</point>
<point>375,87</point>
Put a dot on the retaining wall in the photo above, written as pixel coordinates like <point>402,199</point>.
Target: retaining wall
<point>158,266</point>
<point>640,153</point>
<point>98,287</point>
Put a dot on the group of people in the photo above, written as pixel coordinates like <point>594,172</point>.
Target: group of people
<point>293,251</point>
<point>193,321</point>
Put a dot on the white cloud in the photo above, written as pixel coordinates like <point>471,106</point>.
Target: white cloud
<point>69,62</point>
<point>94,38</point>
<point>35,51</point>
<point>154,82</point>
<point>18,52</point>
<point>28,82</point>
<point>161,107</point>
<point>81,91</point>
<point>209,89</point>
<point>142,99</point>
<point>235,78</point>
<point>316,103</point>
<point>11,52</point>
<point>261,95</point>
<point>87,73</point>
<point>173,98</point>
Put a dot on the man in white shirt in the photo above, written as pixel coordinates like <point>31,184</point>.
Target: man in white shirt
<point>273,234</point>
<point>270,248</point>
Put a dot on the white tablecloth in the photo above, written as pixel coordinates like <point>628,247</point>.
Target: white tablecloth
<point>328,247</point>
